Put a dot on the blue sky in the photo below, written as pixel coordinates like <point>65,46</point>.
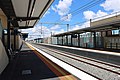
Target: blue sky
<point>63,12</point>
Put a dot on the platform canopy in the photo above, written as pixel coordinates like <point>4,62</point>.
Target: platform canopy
<point>88,29</point>
<point>106,24</point>
<point>24,13</point>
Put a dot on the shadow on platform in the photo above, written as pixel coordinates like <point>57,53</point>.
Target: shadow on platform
<point>27,66</point>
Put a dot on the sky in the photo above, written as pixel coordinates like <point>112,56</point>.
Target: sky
<point>76,13</point>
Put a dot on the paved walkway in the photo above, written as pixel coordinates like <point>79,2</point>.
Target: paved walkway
<point>28,66</point>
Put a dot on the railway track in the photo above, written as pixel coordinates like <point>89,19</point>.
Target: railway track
<point>103,70</point>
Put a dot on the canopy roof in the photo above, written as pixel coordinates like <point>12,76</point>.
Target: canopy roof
<point>24,13</point>
<point>105,23</point>
<point>106,27</point>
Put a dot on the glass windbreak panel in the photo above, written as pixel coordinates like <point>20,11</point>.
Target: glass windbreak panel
<point>115,32</point>
<point>89,40</point>
<point>60,40</point>
<point>64,40</point>
<point>83,40</point>
<point>98,40</point>
<point>69,40</point>
<point>75,40</point>
<point>0,29</point>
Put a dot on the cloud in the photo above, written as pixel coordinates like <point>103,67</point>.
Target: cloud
<point>66,18</point>
<point>108,5</point>
<point>53,8</point>
<point>75,27</point>
<point>113,5</point>
<point>82,25</point>
<point>59,31</point>
<point>91,15</point>
<point>27,30</point>
<point>100,13</point>
<point>55,27</point>
<point>47,12</point>
<point>37,31</point>
<point>45,32</point>
<point>63,8</point>
<point>86,24</point>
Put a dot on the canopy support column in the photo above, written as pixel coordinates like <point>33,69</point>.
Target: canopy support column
<point>62,40</point>
<point>8,35</point>
<point>15,32</point>
<point>57,40</point>
<point>66,39</point>
<point>78,40</point>
<point>71,41</point>
<point>94,39</point>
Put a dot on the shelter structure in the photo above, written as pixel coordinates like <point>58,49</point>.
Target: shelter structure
<point>102,34</point>
<point>15,15</point>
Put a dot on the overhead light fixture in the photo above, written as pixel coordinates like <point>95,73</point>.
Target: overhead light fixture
<point>20,20</point>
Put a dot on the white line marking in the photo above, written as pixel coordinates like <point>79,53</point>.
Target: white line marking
<point>97,51</point>
<point>72,70</point>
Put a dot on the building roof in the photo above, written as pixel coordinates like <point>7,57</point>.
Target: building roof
<point>24,13</point>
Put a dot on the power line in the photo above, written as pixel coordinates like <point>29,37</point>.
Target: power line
<point>87,7</point>
<point>56,23</point>
<point>84,7</point>
<point>80,22</point>
<point>67,25</point>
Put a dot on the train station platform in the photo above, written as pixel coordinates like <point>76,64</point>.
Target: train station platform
<point>29,64</point>
<point>86,64</point>
<point>109,56</point>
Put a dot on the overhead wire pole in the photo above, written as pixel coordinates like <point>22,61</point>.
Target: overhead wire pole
<point>67,27</point>
<point>51,37</point>
<point>8,34</point>
<point>41,28</point>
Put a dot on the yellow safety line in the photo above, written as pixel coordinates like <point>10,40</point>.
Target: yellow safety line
<point>70,77</point>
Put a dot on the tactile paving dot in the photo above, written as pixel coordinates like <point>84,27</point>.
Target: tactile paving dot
<point>26,72</point>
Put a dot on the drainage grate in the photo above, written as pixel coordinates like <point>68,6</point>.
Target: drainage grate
<point>26,72</point>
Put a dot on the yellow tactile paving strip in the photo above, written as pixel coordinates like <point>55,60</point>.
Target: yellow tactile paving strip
<point>62,74</point>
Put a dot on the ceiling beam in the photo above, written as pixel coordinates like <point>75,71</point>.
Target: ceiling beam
<point>25,27</point>
<point>28,11</point>
<point>26,18</point>
<point>43,10</point>
<point>32,10</point>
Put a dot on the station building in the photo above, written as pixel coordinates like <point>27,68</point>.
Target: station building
<point>102,34</point>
